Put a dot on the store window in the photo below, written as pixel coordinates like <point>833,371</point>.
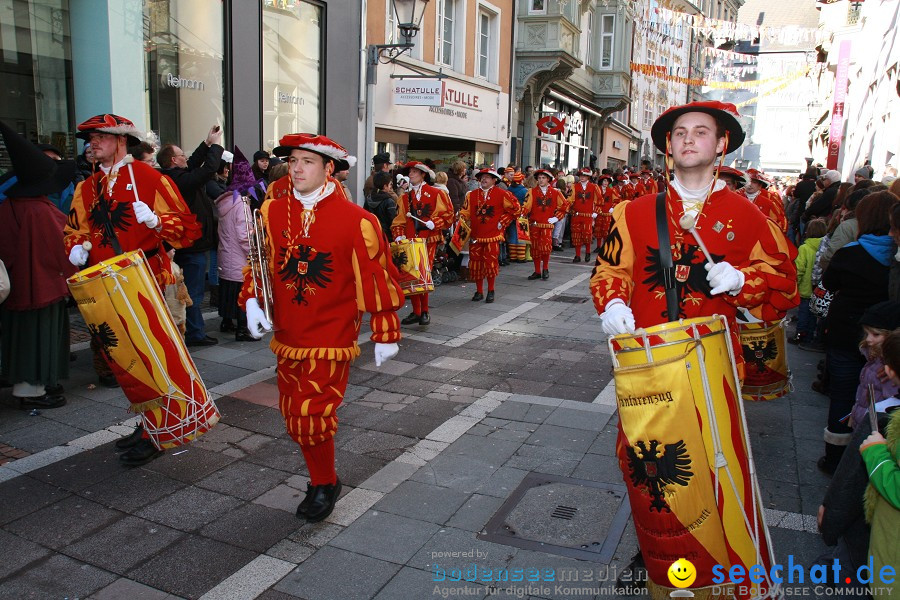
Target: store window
<point>36,71</point>
<point>184,47</point>
<point>292,69</point>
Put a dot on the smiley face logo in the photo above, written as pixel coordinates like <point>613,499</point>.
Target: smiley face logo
<point>682,573</point>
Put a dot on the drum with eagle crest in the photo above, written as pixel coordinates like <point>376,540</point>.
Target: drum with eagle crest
<point>685,454</point>
<point>766,372</point>
<point>129,321</point>
<point>410,256</point>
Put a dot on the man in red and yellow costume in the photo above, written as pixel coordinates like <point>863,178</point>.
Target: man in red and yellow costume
<point>647,182</point>
<point>754,269</point>
<point>584,203</point>
<point>769,202</point>
<point>624,187</point>
<point>609,198</point>
<point>544,206</point>
<point>734,179</point>
<point>430,213</point>
<point>123,206</point>
<point>488,210</point>
<point>329,264</point>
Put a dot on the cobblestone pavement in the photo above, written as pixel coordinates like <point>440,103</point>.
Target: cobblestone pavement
<point>430,447</point>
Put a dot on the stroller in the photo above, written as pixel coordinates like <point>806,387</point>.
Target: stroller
<point>440,270</point>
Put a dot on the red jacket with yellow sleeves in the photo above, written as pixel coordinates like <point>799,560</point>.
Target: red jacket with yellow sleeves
<point>324,282</point>
<point>94,205</point>
<point>585,200</point>
<point>489,214</point>
<point>431,204</point>
<point>610,199</point>
<point>540,206</point>
<point>733,229</point>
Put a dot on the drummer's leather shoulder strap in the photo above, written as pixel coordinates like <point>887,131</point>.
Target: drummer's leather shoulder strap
<point>110,229</point>
<point>665,257</point>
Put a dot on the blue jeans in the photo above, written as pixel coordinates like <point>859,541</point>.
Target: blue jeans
<point>213,267</point>
<point>806,322</point>
<point>844,366</point>
<point>193,265</point>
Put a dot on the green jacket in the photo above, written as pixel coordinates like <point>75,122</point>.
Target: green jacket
<point>882,501</point>
<point>806,259</point>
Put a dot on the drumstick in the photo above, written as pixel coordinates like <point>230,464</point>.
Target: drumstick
<point>410,215</point>
<point>87,246</point>
<point>687,222</point>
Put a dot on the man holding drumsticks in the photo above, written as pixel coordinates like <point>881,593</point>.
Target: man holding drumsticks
<point>751,266</point>
<point>425,212</point>
<point>722,253</point>
<point>125,205</point>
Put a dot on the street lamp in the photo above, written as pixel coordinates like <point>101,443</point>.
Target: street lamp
<point>409,15</point>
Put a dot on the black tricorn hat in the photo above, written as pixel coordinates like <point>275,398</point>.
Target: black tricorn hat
<point>36,173</point>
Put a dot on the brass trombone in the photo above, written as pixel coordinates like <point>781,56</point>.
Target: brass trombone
<point>259,258</point>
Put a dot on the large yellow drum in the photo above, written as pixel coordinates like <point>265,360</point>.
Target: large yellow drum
<point>684,452</point>
<point>766,372</point>
<point>411,259</point>
<point>129,321</point>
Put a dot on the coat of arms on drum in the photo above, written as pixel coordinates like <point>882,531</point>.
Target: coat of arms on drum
<point>656,470</point>
<point>759,353</point>
<point>103,336</point>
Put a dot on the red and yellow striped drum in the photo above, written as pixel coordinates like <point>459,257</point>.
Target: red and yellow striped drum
<point>685,455</point>
<point>411,259</point>
<point>128,319</point>
<point>766,372</point>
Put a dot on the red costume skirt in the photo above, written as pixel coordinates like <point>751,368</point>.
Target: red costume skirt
<point>541,241</point>
<point>484,260</point>
<point>601,227</point>
<point>309,392</point>
<point>582,231</point>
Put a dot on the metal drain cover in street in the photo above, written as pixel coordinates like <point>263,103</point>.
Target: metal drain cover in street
<point>561,515</point>
<point>568,299</point>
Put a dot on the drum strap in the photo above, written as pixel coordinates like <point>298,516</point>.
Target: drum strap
<point>665,257</point>
<point>110,230</point>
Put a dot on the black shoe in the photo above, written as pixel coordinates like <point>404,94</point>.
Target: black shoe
<point>490,297</point>
<point>819,386</point>
<point>794,340</point>
<point>227,326</point>
<point>826,466</point>
<point>424,319</point>
<point>54,390</point>
<point>477,297</point>
<point>411,318</point>
<point>109,381</point>
<point>140,454</point>
<point>319,501</point>
<point>130,440</point>
<point>244,336</point>
<point>534,276</point>
<point>577,259</point>
<point>204,341</point>
<point>557,248</point>
<point>545,275</point>
<point>45,401</point>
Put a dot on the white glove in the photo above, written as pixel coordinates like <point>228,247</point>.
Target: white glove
<point>78,255</point>
<point>429,225</point>
<point>722,277</point>
<point>256,319</point>
<point>553,220</point>
<point>593,215</point>
<point>399,238</point>
<point>617,318</point>
<point>385,352</point>
<point>144,215</point>
<point>499,226</point>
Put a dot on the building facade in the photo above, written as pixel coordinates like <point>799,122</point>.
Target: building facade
<point>447,98</point>
<point>178,67</point>
<point>572,83</point>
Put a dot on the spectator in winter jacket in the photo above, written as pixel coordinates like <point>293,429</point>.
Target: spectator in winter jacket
<point>383,202</point>
<point>877,322</point>
<point>456,185</point>
<point>858,278</point>
<point>806,256</point>
<point>190,176</point>
<point>822,206</point>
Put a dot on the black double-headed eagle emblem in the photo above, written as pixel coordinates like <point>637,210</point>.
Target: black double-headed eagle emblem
<point>104,337</point>
<point>485,212</point>
<point>542,201</point>
<point>689,275</point>
<point>116,218</point>
<point>303,269</point>
<point>657,470</point>
<point>759,353</point>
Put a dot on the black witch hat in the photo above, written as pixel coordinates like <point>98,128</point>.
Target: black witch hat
<point>36,173</point>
